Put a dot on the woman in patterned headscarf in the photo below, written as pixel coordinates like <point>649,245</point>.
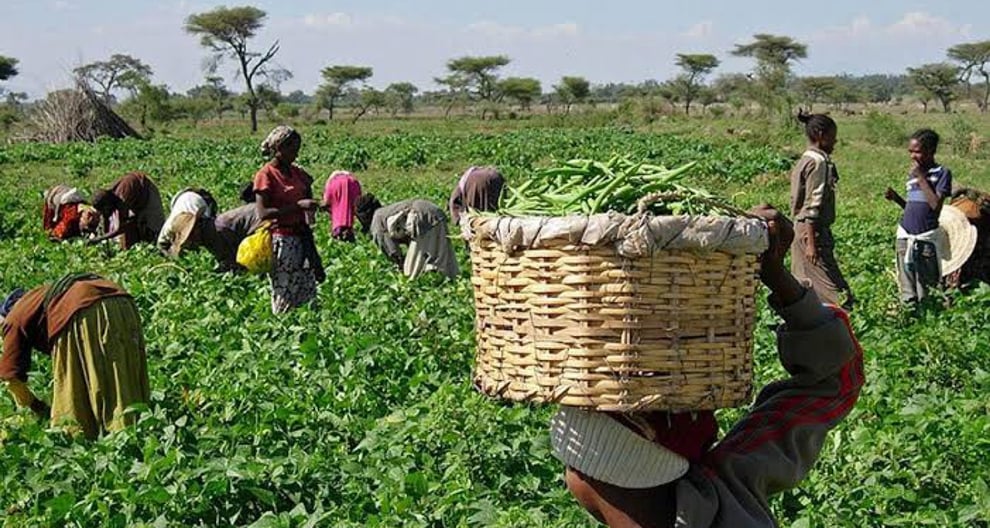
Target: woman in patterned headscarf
<point>91,329</point>
<point>284,196</point>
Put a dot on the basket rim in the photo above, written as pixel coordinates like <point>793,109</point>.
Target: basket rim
<point>632,235</point>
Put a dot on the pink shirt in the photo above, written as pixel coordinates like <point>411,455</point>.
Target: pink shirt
<point>341,195</point>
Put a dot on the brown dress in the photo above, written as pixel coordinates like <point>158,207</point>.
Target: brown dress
<point>813,183</point>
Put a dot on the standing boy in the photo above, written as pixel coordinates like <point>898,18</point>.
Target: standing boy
<point>918,266</point>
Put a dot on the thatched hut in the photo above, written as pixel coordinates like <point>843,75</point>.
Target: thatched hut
<point>76,115</point>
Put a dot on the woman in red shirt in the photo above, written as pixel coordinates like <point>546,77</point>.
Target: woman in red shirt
<point>284,196</point>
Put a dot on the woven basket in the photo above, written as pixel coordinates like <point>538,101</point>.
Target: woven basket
<point>594,324</point>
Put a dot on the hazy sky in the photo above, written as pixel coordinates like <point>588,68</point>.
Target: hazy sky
<point>621,40</point>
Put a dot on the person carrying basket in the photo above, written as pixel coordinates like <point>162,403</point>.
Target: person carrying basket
<point>666,469</point>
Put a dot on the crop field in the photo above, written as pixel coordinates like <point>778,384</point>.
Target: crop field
<point>362,412</point>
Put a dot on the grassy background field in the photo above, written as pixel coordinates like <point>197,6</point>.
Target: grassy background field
<point>362,413</point>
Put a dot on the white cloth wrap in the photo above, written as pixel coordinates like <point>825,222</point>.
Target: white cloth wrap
<point>606,450</point>
<point>632,235</point>
<point>935,237</point>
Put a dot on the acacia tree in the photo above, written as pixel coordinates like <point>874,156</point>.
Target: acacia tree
<point>523,90</point>
<point>774,55</point>
<point>150,102</point>
<point>337,79</point>
<point>226,31</point>
<point>937,80</point>
<point>688,85</point>
<point>974,57</point>
<point>399,97</point>
<point>8,67</point>
<point>368,99</point>
<point>119,72</point>
<point>215,93</point>
<point>480,75</point>
<point>572,90</point>
<point>816,89</point>
<point>455,91</point>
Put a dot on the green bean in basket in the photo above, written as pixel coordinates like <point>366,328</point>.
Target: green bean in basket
<point>590,187</point>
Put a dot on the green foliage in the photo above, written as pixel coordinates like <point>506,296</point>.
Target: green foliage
<point>337,80</point>
<point>226,31</point>
<point>961,136</point>
<point>8,67</point>
<point>522,90</point>
<point>936,81</point>
<point>884,129</point>
<point>362,413</point>
<point>478,73</point>
<point>119,71</point>
<point>973,58</point>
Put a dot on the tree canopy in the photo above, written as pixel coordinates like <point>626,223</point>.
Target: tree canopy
<point>938,81</point>
<point>8,67</point>
<point>337,79</point>
<point>689,85</point>
<point>973,58</point>
<point>227,31</point>
<point>120,71</point>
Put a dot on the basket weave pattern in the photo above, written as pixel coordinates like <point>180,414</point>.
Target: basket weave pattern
<point>584,326</point>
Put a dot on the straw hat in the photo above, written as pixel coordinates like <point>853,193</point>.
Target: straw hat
<point>959,240</point>
<point>182,227</point>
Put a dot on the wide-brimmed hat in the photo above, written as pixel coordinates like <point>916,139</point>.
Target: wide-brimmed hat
<point>182,228</point>
<point>959,240</point>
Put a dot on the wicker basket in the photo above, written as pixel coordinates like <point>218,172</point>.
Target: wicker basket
<point>598,325</point>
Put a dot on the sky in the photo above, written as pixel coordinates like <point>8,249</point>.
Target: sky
<point>412,40</point>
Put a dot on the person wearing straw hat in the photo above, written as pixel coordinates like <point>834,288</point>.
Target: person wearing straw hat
<point>975,205</point>
<point>284,195</point>
<point>666,469</point>
<point>958,242</point>
<point>418,223</point>
<point>131,209</point>
<point>918,236</point>
<point>479,189</point>
<point>340,195</point>
<point>813,183</point>
<point>91,329</point>
<point>189,204</point>
<point>66,214</point>
<point>220,236</point>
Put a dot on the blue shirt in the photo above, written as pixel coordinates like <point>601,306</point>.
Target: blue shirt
<point>918,216</point>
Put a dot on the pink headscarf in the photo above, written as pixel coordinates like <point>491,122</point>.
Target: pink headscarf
<point>341,195</point>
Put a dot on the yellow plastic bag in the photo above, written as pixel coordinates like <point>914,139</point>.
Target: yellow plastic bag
<point>255,251</point>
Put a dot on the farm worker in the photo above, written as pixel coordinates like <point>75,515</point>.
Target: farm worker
<point>665,469</point>
<point>340,195</point>
<point>189,205</point>
<point>131,209</point>
<point>220,236</point>
<point>928,185</point>
<point>91,329</point>
<point>479,189</point>
<point>813,182</point>
<point>418,223</point>
<point>284,195</point>
<point>66,214</point>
